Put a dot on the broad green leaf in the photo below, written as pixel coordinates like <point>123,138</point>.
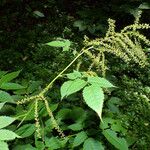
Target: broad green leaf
<point>74,75</point>
<point>53,143</point>
<point>91,144</point>
<point>11,86</point>
<point>76,126</point>
<point>56,44</point>
<point>2,73</point>
<point>94,98</point>
<point>5,121</point>
<point>64,141</point>
<point>65,44</point>
<point>8,77</point>
<point>113,124</point>
<point>111,136</point>
<point>102,82</point>
<point>5,97</point>
<point>106,123</point>
<point>79,139</point>
<point>1,105</point>
<point>70,87</point>
<point>7,135</point>
<point>26,130</point>
<point>3,145</point>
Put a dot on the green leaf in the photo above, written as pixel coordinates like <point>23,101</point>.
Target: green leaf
<point>113,104</point>
<point>91,144</point>
<point>113,124</point>
<point>5,121</point>
<point>53,143</point>
<point>111,136</point>
<point>71,87</point>
<point>1,105</point>
<point>38,13</point>
<point>56,44</point>
<point>5,97</point>
<point>11,86</point>
<point>33,86</point>
<point>65,44</point>
<point>102,82</point>
<point>40,145</point>
<point>26,130</point>
<point>24,147</point>
<point>79,139</point>
<point>8,77</point>
<point>78,114</point>
<point>76,127</point>
<point>7,135</point>
<point>63,113</point>
<point>3,145</point>
<point>94,98</point>
<point>2,73</point>
<point>74,75</point>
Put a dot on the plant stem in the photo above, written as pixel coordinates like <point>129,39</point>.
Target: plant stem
<point>50,84</point>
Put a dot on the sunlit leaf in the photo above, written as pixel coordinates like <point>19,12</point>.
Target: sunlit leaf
<point>3,145</point>
<point>74,75</point>
<point>8,77</point>
<point>102,82</point>
<point>5,97</point>
<point>11,86</point>
<point>94,98</point>
<point>7,135</point>
<point>5,121</point>
<point>70,87</point>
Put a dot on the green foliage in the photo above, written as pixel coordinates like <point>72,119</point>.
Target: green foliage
<point>5,97</point>
<point>92,144</point>
<point>79,139</point>
<point>58,116</point>
<point>6,135</point>
<point>94,98</point>
<point>4,145</point>
<point>5,121</point>
<point>26,130</point>
<point>71,87</point>
<point>119,143</point>
<point>65,44</point>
